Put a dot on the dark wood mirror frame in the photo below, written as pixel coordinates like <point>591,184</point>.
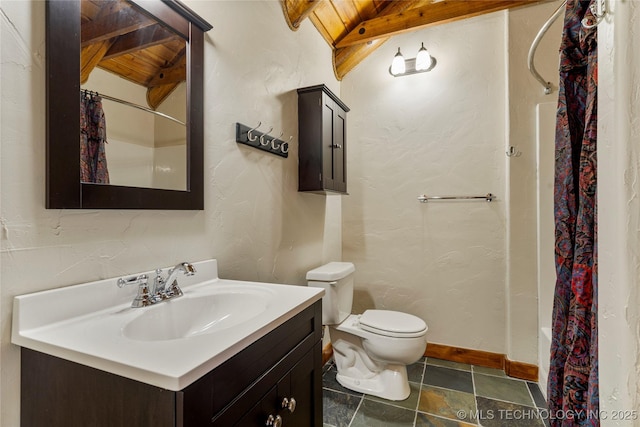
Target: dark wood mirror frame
<point>64,189</point>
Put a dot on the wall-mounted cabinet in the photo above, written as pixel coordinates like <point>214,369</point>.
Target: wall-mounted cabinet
<point>322,127</point>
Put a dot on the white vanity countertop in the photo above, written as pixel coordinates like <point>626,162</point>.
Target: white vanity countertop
<point>85,323</point>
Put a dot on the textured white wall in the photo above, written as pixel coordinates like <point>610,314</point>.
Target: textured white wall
<point>468,268</point>
<point>255,222</point>
<point>438,133</point>
<point>619,213</point>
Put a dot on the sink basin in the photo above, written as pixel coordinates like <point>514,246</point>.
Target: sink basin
<point>186,317</point>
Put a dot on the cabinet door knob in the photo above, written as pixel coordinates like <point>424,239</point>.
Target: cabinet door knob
<point>289,404</point>
<point>335,145</point>
<point>274,421</point>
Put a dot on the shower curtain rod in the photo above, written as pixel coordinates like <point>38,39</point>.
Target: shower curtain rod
<point>131,104</point>
<point>532,51</point>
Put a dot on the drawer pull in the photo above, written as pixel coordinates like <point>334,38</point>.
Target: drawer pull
<point>289,404</point>
<point>274,421</point>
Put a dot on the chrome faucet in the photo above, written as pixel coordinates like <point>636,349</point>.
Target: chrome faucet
<point>168,288</point>
<point>162,290</point>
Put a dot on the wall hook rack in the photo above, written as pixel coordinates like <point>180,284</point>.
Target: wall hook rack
<point>262,140</point>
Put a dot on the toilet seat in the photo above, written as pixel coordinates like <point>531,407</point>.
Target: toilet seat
<point>392,324</point>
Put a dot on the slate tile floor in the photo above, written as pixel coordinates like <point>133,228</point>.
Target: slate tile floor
<point>443,394</point>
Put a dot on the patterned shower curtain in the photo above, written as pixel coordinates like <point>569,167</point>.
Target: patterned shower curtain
<point>93,137</point>
<point>573,375</point>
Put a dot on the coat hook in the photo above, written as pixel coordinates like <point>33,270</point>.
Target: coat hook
<point>273,145</point>
<point>250,137</point>
<point>262,141</point>
<point>513,152</point>
<point>282,146</point>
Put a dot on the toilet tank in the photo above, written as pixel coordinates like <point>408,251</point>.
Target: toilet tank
<point>336,278</point>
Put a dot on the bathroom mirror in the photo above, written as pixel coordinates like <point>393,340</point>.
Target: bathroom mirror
<point>151,49</point>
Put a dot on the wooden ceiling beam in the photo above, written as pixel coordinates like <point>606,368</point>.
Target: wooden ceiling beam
<point>346,58</point>
<point>140,40</point>
<point>295,11</point>
<point>157,94</point>
<point>175,73</point>
<point>166,80</point>
<point>90,57</point>
<point>424,16</point>
<point>112,25</point>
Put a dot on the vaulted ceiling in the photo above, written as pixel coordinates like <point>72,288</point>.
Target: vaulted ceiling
<point>116,36</point>
<point>355,28</point>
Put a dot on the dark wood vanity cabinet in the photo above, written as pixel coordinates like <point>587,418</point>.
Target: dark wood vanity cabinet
<point>322,126</point>
<point>258,382</point>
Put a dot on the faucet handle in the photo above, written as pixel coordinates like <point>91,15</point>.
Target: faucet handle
<point>142,298</point>
<point>133,280</point>
<point>174,290</point>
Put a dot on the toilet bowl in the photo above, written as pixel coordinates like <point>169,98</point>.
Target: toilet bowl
<point>371,350</point>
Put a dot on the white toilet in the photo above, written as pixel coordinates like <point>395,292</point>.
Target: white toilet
<point>371,350</point>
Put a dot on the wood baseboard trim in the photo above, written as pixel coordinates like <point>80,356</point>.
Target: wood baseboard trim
<point>465,355</point>
<point>520,370</point>
<point>327,352</point>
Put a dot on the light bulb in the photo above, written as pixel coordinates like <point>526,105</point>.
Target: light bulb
<point>398,66</point>
<point>423,59</point>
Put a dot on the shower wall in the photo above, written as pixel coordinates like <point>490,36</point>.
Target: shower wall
<point>545,122</point>
<point>525,94</point>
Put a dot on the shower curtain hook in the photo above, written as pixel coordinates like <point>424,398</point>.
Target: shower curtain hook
<point>250,137</point>
<point>598,11</point>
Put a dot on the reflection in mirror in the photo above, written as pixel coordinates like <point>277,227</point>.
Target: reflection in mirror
<point>133,75</point>
<point>157,49</point>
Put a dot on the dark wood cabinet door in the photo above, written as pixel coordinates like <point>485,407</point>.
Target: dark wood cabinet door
<point>339,158</point>
<point>298,387</point>
<point>260,413</point>
<point>322,127</point>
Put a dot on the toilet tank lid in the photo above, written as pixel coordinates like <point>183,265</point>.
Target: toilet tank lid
<point>331,271</point>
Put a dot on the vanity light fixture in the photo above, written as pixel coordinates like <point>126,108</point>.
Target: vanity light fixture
<point>398,65</point>
<point>422,63</point>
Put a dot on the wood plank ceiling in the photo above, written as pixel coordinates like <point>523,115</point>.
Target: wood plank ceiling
<point>355,28</point>
<point>118,38</point>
